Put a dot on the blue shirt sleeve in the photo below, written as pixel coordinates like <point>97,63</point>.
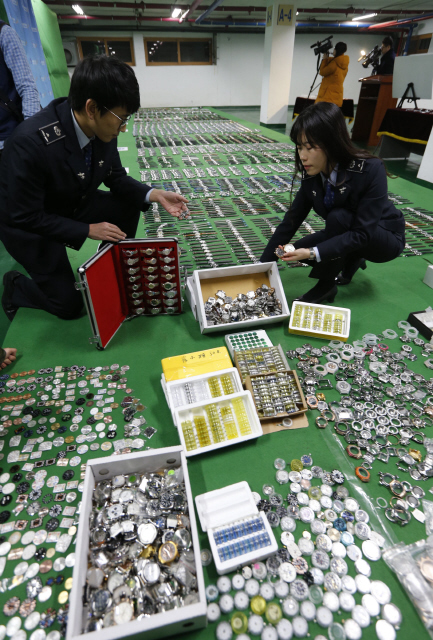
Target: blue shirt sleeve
<point>16,61</point>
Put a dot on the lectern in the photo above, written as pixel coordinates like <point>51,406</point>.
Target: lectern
<point>375,98</point>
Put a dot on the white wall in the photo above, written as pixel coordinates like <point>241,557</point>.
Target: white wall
<point>236,79</point>
<point>423,27</point>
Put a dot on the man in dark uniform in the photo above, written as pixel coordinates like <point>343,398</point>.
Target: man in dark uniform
<point>386,66</point>
<point>50,172</point>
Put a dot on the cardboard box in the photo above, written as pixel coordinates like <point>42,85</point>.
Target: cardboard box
<point>233,280</point>
<point>280,416</point>
<point>160,625</point>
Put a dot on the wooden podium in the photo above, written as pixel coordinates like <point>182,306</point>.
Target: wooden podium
<point>375,98</point>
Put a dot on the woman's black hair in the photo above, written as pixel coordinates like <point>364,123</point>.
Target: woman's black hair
<point>340,48</point>
<point>108,81</point>
<point>323,126</point>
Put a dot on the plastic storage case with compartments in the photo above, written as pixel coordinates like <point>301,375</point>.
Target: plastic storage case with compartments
<point>211,425</point>
<point>206,387</point>
<point>127,280</point>
<point>159,625</point>
<point>238,532</point>
<point>320,321</point>
<point>205,283</point>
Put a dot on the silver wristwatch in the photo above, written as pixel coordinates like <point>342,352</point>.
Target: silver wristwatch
<point>312,254</point>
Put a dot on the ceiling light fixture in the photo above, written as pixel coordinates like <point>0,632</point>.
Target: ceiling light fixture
<point>364,16</point>
<point>176,12</point>
<point>78,9</point>
<point>183,16</point>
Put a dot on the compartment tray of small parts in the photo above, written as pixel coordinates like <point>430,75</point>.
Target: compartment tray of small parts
<point>261,360</point>
<point>320,321</point>
<point>201,388</point>
<point>213,425</point>
<point>148,586</point>
<point>238,533</point>
<point>247,340</point>
<point>277,395</point>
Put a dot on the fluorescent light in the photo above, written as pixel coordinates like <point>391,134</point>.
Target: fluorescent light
<point>297,13</point>
<point>183,16</point>
<point>78,9</point>
<point>362,52</point>
<point>364,16</point>
<point>176,12</point>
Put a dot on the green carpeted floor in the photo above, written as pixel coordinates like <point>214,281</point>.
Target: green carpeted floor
<point>378,298</point>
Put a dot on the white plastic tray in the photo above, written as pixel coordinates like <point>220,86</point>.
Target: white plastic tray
<point>188,413</point>
<point>320,333</point>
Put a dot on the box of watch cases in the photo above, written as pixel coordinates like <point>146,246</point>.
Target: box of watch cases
<point>210,425</point>
<point>276,395</point>
<point>135,580</point>
<point>130,279</point>
<point>235,297</point>
<point>261,360</point>
<point>238,532</point>
<point>320,321</point>
<point>206,387</point>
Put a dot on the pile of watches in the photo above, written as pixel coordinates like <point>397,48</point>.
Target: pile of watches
<point>320,580</point>
<point>224,309</point>
<point>276,394</point>
<point>383,409</point>
<point>42,477</point>
<point>141,559</point>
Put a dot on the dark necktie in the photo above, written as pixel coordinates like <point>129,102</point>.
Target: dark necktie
<point>328,200</point>
<point>88,157</point>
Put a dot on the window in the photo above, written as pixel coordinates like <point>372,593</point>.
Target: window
<point>177,51</point>
<point>418,44</point>
<point>122,48</point>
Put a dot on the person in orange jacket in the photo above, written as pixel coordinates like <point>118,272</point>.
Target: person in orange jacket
<point>334,71</point>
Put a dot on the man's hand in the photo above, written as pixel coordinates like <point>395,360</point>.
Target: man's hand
<point>295,256</point>
<point>172,202</point>
<point>106,231</point>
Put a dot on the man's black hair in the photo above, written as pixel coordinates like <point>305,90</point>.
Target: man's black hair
<point>340,48</point>
<point>108,81</point>
<point>388,42</point>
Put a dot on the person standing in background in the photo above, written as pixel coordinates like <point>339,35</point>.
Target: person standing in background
<point>386,66</point>
<point>334,70</point>
<point>19,97</point>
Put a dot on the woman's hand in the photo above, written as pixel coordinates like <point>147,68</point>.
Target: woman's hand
<point>295,256</point>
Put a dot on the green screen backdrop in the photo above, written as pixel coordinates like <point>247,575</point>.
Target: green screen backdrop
<point>51,40</point>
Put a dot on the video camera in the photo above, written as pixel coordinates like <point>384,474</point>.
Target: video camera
<point>372,57</point>
<point>322,46</point>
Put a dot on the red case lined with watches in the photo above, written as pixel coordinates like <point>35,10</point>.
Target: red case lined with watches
<point>120,283</point>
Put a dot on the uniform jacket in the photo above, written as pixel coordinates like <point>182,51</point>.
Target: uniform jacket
<point>386,66</point>
<point>333,70</point>
<point>362,191</point>
<point>44,179</point>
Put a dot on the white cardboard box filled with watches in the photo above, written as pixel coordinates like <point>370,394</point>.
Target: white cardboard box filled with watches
<point>238,532</point>
<point>171,622</point>
<point>205,283</point>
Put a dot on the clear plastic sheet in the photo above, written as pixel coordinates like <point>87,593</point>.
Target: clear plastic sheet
<point>413,566</point>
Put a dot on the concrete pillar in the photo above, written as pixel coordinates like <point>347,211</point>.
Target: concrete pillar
<point>277,65</point>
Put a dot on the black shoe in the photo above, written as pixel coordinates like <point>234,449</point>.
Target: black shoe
<point>345,276</point>
<point>323,291</point>
<point>8,290</point>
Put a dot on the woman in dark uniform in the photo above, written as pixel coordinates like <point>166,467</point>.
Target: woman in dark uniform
<point>347,187</point>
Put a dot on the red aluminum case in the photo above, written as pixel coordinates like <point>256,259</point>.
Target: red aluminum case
<point>105,283</point>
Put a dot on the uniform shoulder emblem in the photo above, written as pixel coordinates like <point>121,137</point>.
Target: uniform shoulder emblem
<point>52,133</point>
<point>357,166</point>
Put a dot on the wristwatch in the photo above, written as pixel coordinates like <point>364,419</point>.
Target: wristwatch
<point>312,254</point>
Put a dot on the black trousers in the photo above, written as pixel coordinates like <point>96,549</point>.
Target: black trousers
<point>384,246</point>
<point>51,285</point>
